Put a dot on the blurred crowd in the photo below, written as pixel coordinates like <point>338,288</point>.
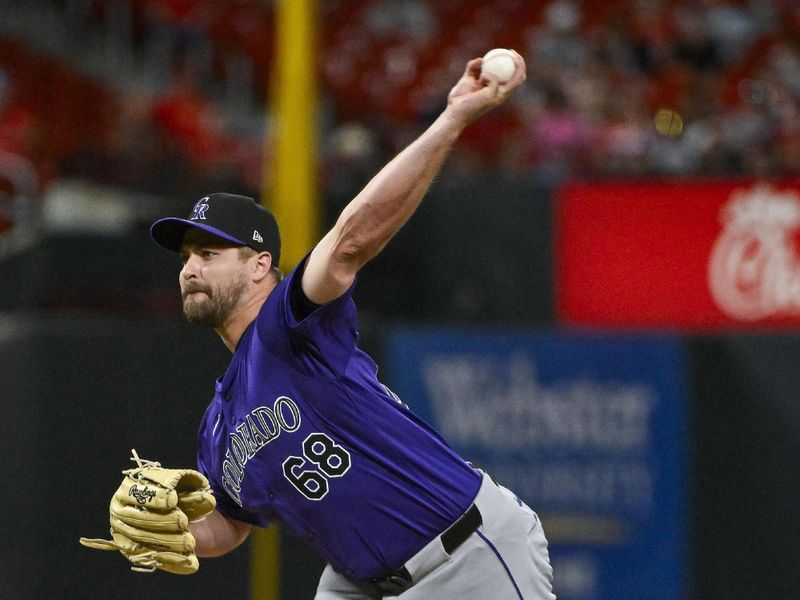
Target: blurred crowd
<point>621,88</point>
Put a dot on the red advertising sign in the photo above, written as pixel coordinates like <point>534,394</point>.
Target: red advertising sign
<point>696,255</point>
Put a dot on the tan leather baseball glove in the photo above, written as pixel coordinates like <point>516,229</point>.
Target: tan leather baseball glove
<point>150,514</point>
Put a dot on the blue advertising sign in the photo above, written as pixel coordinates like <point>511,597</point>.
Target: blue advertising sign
<point>589,430</point>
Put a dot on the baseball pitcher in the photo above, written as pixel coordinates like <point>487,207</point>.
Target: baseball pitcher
<point>301,430</point>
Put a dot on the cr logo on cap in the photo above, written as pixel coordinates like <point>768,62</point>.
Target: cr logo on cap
<point>199,210</point>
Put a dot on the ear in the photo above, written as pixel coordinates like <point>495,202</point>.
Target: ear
<point>261,266</point>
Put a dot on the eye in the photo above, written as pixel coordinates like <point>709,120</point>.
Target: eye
<point>208,253</point>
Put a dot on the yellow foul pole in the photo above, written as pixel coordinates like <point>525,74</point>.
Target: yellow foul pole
<point>293,194</point>
<point>290,190</point>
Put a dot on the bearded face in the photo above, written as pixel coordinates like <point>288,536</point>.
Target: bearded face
<point>212,305</point>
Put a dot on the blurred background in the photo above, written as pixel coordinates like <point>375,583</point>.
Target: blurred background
<point>598,300</point>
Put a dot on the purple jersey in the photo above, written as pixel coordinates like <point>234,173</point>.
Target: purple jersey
<point>300,430</point>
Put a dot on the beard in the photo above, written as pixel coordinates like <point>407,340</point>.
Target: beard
<point>216,306</point>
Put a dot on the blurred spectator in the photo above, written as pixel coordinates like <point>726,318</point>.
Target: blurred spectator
<point>19,188</point>
<point>558,43</point>
<point>21,131</point>
<point>599,74</point>
<point>352,152</point>
<point>693,44</point>
<point>624,137</point>
<point>783,61</point>
<point>243,36</point>
<point>178,32</point>
<point>410,19</point>
<point>557,138</point>
<point>650,35</point>
<point>132,152</point>
<point>733,28</point>
<point>19,138</point>
<point>198,126</point>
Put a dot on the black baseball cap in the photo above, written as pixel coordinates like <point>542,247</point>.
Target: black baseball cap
<point>238,219</point>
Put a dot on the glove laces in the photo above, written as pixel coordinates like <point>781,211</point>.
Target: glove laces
<point>142,464</point>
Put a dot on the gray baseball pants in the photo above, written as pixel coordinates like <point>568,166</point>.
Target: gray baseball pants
<point>505,558</point>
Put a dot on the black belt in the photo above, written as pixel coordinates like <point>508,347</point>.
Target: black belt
<point>459,531</point>
<point>452,538</point>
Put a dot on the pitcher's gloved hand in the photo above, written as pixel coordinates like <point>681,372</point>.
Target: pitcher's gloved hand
<point>150,514</point>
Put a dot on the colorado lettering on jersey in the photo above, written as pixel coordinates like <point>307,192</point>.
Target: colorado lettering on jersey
<point>261,426</point>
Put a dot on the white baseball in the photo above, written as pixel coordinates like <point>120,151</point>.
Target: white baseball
<point>500,63</point>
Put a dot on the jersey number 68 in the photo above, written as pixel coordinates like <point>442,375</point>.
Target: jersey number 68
<point>330,460</point>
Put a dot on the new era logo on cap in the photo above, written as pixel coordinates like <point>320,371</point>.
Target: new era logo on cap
<point>238,219</point>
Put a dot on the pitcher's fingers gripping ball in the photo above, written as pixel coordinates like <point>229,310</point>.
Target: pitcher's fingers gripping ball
<point>484,89</point>
<point>150,514</point>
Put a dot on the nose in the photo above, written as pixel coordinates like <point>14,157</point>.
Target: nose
<point>189,269</point>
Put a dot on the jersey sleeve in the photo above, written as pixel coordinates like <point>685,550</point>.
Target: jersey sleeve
<point>230,509</point>
<point>323,340</point>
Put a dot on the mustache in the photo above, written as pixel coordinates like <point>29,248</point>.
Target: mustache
<point>191,288</point>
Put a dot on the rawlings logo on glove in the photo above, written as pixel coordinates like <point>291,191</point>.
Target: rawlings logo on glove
<point>150,514</point>
<point>142,496</point>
